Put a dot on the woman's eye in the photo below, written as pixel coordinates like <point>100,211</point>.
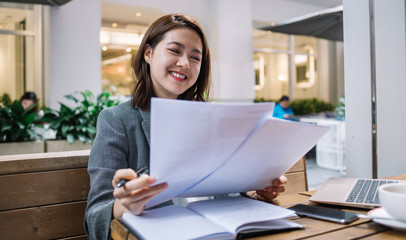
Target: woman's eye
<point>196,58</point>
<point>174,50</point>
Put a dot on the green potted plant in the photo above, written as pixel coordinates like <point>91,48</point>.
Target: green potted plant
<point>17,126</point>
<point>5,100</point>
<point>79,121</point>
<point>310,106</point>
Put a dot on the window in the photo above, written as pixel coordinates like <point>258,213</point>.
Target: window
<point>284,65</point>
<point>20,49</point>
<point>119,44</point>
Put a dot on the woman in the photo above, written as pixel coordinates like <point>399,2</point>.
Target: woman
<point>28,99</point>
<point>282,109</point>
<point>173,61</point>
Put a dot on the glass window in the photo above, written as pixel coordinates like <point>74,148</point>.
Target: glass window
<point>305,61</point>
<point>273,54</point>
<point>119,43</point>
<point>275,75</point>
<point>116,70</point>
<point>17,50</point>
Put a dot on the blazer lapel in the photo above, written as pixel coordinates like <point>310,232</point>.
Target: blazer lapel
<point>146,124</point>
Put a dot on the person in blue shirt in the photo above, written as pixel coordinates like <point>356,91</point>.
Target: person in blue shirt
<point>282,109</point>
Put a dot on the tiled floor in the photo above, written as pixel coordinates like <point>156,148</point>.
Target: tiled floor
<point>317,176</point>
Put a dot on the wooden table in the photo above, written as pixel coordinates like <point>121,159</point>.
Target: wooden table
<point>314,229</point>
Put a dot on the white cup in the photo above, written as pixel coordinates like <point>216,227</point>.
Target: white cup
<point>393,199</point>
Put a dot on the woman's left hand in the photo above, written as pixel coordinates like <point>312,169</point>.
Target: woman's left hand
<point>271,192</point>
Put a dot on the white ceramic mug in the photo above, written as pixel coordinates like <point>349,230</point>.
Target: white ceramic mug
<point>393,199</point>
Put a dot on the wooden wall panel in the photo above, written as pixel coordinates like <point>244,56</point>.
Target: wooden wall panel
<point>43,188</point>
<point>48,222</point>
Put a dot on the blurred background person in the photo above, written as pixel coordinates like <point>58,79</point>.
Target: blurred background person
<point>282,109</point>
<point>28,99</point>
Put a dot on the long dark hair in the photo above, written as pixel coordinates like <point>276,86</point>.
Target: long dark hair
<point>144,90</point>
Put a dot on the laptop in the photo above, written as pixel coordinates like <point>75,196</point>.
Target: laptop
<point>352,192</point>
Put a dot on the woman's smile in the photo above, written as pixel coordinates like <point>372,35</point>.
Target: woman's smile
<point>178,76</point>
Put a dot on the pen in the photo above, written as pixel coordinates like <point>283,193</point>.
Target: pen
<point>139,172</point>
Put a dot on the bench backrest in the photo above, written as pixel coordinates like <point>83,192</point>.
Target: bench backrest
<point>297,178</point>
<point>43,196</point>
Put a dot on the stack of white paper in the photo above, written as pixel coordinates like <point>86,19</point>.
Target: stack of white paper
<point>203,149</point>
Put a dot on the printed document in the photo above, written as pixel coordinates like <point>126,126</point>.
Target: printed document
<point>203,149</point>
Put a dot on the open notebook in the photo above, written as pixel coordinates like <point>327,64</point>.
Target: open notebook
<point>225,218</point>
<point>354,192</point>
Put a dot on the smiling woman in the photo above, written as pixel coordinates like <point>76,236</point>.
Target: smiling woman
<point>174,62</point>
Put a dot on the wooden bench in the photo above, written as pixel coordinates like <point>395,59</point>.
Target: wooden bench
<point>43,195</point>
<point>297,178</point>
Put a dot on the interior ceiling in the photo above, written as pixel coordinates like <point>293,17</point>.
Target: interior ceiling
<point>112,12</point>
<point>125,14</point>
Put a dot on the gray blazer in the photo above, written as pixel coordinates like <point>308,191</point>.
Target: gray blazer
<point>122,141</point>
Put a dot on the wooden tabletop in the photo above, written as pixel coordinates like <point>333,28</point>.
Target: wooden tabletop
<point>314,229</point>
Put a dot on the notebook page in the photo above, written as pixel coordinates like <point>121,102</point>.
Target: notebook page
<point>174,223</point>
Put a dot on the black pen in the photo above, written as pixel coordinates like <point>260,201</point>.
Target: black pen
<point>139,172</point>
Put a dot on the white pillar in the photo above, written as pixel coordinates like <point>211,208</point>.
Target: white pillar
<point>391,86</point>
<point>357,75</point>
<point>389,48</point>
<point>74,55</point>
<point>230,38</point>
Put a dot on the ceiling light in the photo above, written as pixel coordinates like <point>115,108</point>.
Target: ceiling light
<point>114,25</point>
<point>104,48</point>
<point>138,14</point>
<point>128,49</point>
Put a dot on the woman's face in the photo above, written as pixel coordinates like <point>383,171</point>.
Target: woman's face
<point>175,62</point>
<point>26,103</point>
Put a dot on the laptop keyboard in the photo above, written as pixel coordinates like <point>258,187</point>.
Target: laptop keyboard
<point>366,191</point>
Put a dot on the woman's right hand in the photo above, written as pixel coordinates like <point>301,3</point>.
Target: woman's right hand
<point>133,196</point>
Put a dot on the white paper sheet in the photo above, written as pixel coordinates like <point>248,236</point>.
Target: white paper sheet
<point>173,223</point>
<point>207,148</point>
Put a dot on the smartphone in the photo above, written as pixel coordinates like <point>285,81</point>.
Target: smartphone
<point>324,213</point>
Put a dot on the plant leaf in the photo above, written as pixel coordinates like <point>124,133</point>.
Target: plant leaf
<point>65,129</point>
<point>82,137</point>
<point>91,129</point>
<point>70,138</point>
<point>71,97</point>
